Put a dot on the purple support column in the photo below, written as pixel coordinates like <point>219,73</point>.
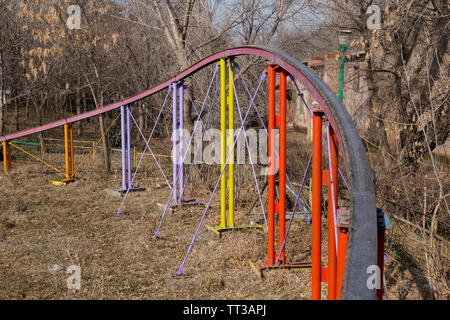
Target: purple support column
<point>129,147</point>
<point>124,174</point>
<point>181,127</point>
<point>174,143</point>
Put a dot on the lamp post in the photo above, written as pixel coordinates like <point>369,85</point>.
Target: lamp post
<point>344,39</point>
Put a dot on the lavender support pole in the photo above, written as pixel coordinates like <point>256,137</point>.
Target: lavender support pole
<point>181,141</point>
<point>190,140</point>
<point>124,174</point>
<point>174,142</point>
<point>119,212</point>
<point>129,147</point>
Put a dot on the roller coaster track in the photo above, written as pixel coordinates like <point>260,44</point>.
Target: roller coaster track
<point>362,243</point>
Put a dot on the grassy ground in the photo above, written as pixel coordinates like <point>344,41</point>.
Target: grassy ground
<point>45,228</point>
<point>42,225</point>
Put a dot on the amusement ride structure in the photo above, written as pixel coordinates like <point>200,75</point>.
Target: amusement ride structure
<point>355,240</point>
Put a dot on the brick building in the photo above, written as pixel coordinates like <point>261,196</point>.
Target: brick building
<point>355,90</point>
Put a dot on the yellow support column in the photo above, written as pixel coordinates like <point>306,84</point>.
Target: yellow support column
<point>223,142</point>
<point>226,148</point>
<point>68,145</point>
<point>230,142</point>
<point>6,157</point>
<point>224,182</point>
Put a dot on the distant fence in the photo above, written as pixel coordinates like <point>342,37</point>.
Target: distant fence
<point>415,240</point>
<point>30,147</point>
<point>53,146</point>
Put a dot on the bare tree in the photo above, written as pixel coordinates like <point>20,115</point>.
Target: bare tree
<point>197,27</point>
<point>407,54</point>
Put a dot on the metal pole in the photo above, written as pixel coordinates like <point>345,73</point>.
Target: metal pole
<point>282,167</point>
<point>124,150</point>
<point>342,231</point>
<point>341,72</point>
<point>230,140</point>
<point>66,148</point>
<point>174,142</point>
<point>71,150</point>
<point>272,166</point>
<point>128,147</point>
<point>223,143</point>
<point>316,204</point>
<point>6,157</point>
<point>342,248</point>
<point>380,255</point>
<point>181,128</point>
<point>332,259</point>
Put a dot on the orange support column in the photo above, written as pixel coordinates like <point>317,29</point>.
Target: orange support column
<point>6,157</point>
<point>277,163</point>
<point>71,151</point>
<point>342,248</point>
<point>272,169</point>
<point>380,261</point>
<point>281,206</point>
<point>66,148</point>
<point>332,258</point>
<point>68,145</point>
<point>380,245</point>
<point>316,204</point>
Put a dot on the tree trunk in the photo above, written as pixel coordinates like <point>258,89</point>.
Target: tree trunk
<point>83,97</point>
<point>16,114</point>
<point>60,105</point>
<point>2,96</point>
<point>141,115</point>
<point>27,107</point>
<point>184,64</point>
<point>78,106</point>
<point>2,109</point>
<point>105,142</point>
<point>42,144</point>
<point>376,128</point>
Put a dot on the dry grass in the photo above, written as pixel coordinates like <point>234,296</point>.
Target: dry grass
<point>42,225</point>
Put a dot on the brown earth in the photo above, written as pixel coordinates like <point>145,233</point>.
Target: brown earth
<point>43,225</point>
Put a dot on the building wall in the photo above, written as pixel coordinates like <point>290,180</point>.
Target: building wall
<point>355,90</point>
<point>355,95</point>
